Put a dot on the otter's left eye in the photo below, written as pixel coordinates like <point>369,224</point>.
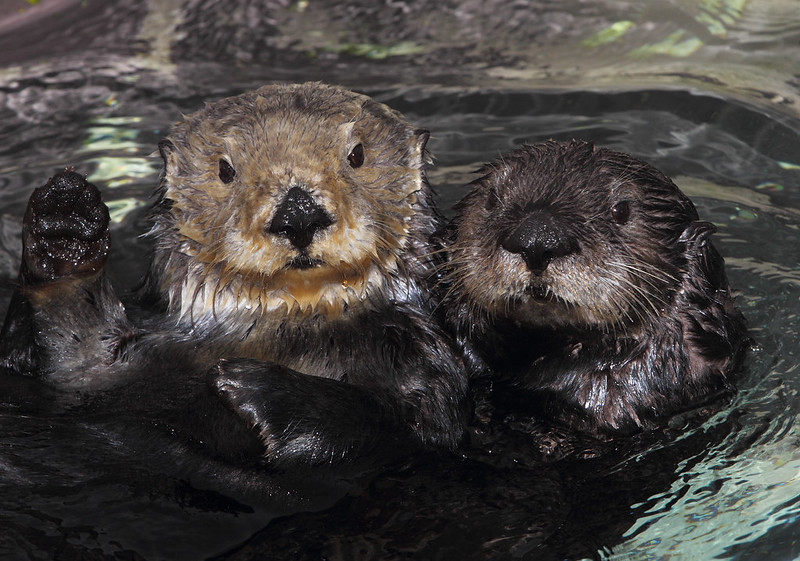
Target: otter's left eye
<point>356,156</point>
<point>226,171</point>
<point>621,212</point>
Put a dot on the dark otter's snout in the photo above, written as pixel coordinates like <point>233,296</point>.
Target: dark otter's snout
<point>539,239</point>
<point>298,218</point>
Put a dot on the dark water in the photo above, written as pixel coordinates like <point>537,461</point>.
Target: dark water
<point>98,91</point>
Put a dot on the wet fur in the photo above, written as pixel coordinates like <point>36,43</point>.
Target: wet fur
<point>212,257</point>
<point>634,322</point>
<point>322,363</point>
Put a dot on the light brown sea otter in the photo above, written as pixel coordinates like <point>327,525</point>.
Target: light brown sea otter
<point>290,239</point>
<point>584,277</point>
<point>290,202</point>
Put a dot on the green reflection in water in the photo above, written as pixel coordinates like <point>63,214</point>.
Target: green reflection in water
<point>718,15</point>
<point>377,52</point>
<point>112,133</point>
<point>119,208</point>
<point>110,138</point>
<point>609,34</point>
<point>118,136</point>
<point>673,45</point>
<point>113,172</point>
<point>118,171</point>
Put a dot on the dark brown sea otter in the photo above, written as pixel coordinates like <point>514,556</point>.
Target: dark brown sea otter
<point>585,277</point>
<point>290,229</point>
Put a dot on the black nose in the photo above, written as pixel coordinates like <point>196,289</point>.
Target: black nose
<point>539,239</point>
<point>298,217</point>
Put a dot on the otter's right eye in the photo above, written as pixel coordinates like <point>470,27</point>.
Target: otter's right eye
<point>621,212</point>
<point>356,156</point>
<point>226,171</point>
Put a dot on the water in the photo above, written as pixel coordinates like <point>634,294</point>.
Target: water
<point>708,92</point>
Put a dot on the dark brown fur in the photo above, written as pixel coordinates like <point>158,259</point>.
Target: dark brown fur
<point>585,277</point>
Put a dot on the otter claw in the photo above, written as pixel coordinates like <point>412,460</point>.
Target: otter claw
<point>65,230</point>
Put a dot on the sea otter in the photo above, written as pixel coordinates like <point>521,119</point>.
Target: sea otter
<point>584,278</point>
<point>290,233</point>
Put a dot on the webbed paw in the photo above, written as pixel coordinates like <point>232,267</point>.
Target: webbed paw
<point>309,419</point>
<point>247,387</point>
<point>280,405</point>
<point>65,230</point>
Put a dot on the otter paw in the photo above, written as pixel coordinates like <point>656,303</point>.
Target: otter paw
<point>302,419</point>
<point>267,396</point>
<point>245,388</point>
<point>65,230</point>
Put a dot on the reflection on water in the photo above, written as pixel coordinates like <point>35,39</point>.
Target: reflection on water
<point>707,91</point>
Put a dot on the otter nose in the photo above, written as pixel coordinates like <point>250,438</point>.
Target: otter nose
<point>539,239</point>
<point>298,218</point>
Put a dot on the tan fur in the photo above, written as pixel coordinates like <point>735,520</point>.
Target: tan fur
<point>275,138</point>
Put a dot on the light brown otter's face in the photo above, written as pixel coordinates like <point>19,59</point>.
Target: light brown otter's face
<point>289,197</point>
<point>563,234</point>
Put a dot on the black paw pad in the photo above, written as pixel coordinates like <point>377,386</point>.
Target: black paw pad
<point>65,230</point>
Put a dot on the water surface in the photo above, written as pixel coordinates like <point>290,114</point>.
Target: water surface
<point>707,92</point>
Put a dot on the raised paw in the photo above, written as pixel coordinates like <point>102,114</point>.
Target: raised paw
<point>65,230</point>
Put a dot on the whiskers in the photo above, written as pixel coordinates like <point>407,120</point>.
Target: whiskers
<point>624,292</point>
<point>468,292</point>
<point>387,251</point>
<point>613,296</point>
<point>222,293</point>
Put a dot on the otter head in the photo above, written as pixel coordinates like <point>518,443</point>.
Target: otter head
<point>568,235</point>
<point>289,199</point>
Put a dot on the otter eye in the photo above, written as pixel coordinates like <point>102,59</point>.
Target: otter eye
<point>356,156</point>
<point>621,212</point>
<point>226,171</point>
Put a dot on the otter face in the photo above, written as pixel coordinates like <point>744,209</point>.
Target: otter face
<point>563,234</point>
<point>289,197</point>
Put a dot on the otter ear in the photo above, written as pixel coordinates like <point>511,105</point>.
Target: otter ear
<point>168,153</point>
<point>697,234</point>
<point>703,259</point>
<point>422,136</point>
